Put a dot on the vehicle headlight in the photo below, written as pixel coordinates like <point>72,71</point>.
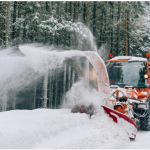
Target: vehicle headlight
<point>142,105</point>
<point>145,76</point>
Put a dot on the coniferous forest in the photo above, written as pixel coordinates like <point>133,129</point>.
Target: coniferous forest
<point>118,27</point>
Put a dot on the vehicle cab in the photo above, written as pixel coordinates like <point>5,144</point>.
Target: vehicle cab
<point>131,74</point>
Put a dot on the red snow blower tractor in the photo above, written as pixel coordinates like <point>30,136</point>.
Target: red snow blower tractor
<point>124,86</point>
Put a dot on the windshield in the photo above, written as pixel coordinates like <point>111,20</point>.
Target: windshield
<point>124,73</point>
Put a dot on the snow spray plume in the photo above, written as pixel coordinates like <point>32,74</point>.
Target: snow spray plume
<point>85,39</point>
<point>80,94</point>
<point>21,72</point>
<point>103,52</point>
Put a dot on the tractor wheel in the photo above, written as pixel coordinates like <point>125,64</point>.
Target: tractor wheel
<point>145,121</point>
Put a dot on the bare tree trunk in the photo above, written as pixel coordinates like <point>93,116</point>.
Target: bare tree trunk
<point>3,22</point>
<point>37,32</point>
<point>64,85</point>
<point>128,21</point>
<point>13,94</point>
<point>34,95</point>
<point>47,33</point>
<point>4,106</point>
<point>66,9</point>
<point>14,20</point>
<point>18,30</point>
<point>75,20</point>
<point>126,36</point>
<point>24,32</point>
<point>1,103</point>
<point>71,9</point>
<point>75,11</point>
<point>44,104</point>
<point>104,32</point>
<point>85,46</point>
<point>118,29</point>
<point>101,31</point>
<point>88,14</point>
<point>56,37</point>
<point>50,91</point>
<point>65,33</point>
<point>73,76</point>
<point>72,81</point>
<point>95,21</point>
<point>8,24</point>
<point>84,12</point>
<point>69,75</point>
<point>71,14</point>
<point>55,105</point>
<point>112,11</point>
<point>87,73</point>
<point>52,36</point>
<point>52,87</point>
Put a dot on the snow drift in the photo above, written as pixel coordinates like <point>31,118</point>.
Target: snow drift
<point>47,128</point>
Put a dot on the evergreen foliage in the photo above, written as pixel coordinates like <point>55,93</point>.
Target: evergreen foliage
<point>57,23</point>
<point>122,28</point>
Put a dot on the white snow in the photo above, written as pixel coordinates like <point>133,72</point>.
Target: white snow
<point>130,129</point>
<point>61,129</point>
<point>144,93</point>
<point>57,128</point>
<point>47,128</point>
<point>130,58</point>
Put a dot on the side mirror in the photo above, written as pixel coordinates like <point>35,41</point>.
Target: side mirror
<point>146,84</point>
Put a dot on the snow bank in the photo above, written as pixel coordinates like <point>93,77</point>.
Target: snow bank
<point>105,133</point>
<point>46,128</point>
<point>24,128</point>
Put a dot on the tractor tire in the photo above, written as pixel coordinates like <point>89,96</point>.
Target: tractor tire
<point>145,121</point>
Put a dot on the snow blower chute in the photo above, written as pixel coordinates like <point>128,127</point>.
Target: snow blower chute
<point>118,107</point>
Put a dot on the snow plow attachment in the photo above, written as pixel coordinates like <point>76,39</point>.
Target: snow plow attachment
<point>123,120</point>
<point>118,108</point>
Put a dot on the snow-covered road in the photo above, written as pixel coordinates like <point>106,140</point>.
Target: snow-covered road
<point>59,128</point>
<point>141,142</point>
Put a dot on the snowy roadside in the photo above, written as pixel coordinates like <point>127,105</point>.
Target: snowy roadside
<point>24,128</point>
<point>47,128</point>
<point>105,133</point>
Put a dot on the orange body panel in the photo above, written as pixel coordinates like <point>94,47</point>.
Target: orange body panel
<point>120,109</point>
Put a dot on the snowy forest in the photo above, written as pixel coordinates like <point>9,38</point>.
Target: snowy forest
<point>120,28</point>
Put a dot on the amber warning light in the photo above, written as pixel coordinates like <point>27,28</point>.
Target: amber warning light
<point>110,55</point>
<point>147,54</point>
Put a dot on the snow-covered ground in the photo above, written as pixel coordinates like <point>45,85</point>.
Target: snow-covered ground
<point>59,128</point>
